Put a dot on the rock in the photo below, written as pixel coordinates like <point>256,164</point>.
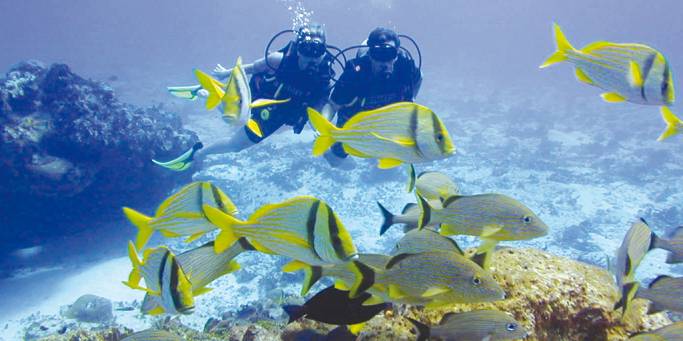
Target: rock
<point>90,308</point>
<point>553,297</point>
<point>73,152</point>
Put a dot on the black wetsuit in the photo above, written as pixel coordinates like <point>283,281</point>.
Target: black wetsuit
<point>359,90</point>
<point>304,88</point>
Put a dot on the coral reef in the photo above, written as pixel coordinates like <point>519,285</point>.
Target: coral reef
<point>72,151</point>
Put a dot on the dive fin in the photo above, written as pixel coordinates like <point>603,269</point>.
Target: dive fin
<point>183,161</point>
<point>324,128</point>
<point>264,102</point>
<point>185,92</point>
<point>673,124</point>
<point>388,219</point>
<point>563,46</point>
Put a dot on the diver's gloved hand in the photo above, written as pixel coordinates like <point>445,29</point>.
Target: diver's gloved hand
<point>220,71</point>
<point>203,93</point>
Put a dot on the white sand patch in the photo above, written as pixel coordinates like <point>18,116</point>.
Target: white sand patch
<point>569,138</point>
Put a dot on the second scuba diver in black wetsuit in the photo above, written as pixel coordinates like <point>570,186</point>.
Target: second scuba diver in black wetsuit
<point>301,71</point>
<point>381,75</point>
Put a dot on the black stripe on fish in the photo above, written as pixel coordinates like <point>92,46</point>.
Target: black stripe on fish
<point>394,260</point>
<point>647,67</point>
<point>413,130</point>
<point>310,226</point>
<point>173,285</point>
<point>244,243</point>
<point>334,234</point>
<point>217,198</point>
<point>367,279</point>
<point>161,272</point>
<point>438,133</point>
<point>665,82</point>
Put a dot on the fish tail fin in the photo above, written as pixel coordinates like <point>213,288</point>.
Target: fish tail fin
<point>388,219</point>
<point>213,86</point>
<point>325,128</point>
<point>673,124</point>
<point>311,274</point>
<point>294,312</point>
<point>628,293</point>
<point>142,222</point>
<point>226,223</point>
<point>425,212</point>
<point>563,46</point>
<point>423,331</point>
<point>135,275</point>
<point>364,278</point>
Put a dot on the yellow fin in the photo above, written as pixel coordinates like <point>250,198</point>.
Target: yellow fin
<point>260,248</point>
<point>395,292</point>
<point>354,152</point>
<point>435,304</point>
<point>356,328</point>
<point>231,267</point>
<point>401,141</point>
<point>214,87</point>
<point>634,76</point>
<point>294,266</point>
<point>448,230</point>
<point>193,237</point>
<point>201,291</point>
<point>374,299</point>
<point>254,127</point>
<point>563,46</point>
<point>483,254</point>
<point>324,128</point>
<point>389,163</point>
<point>673,124</point>
<point>169,234</point>
<point>140,221</point>
<point>226,223</point>
<point>263,102</point>
<point>158,310</point>
<point>490,230</point>
<point>340,285</point>
<point>580,75</point>
<point>612,97</point>
<point>433,291</point>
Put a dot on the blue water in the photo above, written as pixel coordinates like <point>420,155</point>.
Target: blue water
<point>587,168</point>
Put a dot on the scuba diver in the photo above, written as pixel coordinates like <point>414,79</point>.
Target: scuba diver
<point>300,72</point>
<point>382,73</point>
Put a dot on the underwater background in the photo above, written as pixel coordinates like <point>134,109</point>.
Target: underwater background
<point>586,167</point>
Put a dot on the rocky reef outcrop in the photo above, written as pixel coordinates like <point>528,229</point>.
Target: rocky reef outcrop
<point>70,152</point>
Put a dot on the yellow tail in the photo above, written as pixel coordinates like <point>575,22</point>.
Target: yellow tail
<point>135,275</point>
<point>563,46</point>
<point>325,128</point>
<point>141,221</point>
<point>226,223</point>
<point>673,124</point>
<point>214,87</point>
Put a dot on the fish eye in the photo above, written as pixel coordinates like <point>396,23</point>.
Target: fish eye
<point>511,327</point>
<point>439,137</point>
<point>527,219</point>
<point>476,280</point>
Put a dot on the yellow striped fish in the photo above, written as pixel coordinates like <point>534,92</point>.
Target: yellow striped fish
<point>489,325</point>
<point>303,228</point>
<point>628,72</point>
<point>234,97</point>
<point>182,214</point>
<point>202,266</point>
<point>639,240</point>
<point>153,335</point>
<point>167,285</point>
<point>403,132</point>
<point>435,187</point>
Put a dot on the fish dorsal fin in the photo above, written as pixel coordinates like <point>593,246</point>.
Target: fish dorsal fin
<point>389,163</point>
<point>612,97</point>
<point>583,77</point>
<point>402,141</point>
<point>433,291</point>
<point>395,259</point>
<point>446,317</point>
<point>450,200</point>
<point>656,280</point>
<point>635,79</point>
<point>394,107</point>
<point>596,45</point>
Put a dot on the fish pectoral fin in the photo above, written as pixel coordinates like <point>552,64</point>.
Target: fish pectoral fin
<point>395,292</point>
<point>581,76</point>
<point>201,291</point>
<point>356,328</point>
<point>388,163</point>
<point>401,141</point>
<point>490,230</point>
<point>448,229</point>
<point>635,79</point>
<point>433,291</point>
<point>265,102</point>
<point>483,254</point>
<point>612,97</point>
<point>372,300</point>
<point>355,152</point>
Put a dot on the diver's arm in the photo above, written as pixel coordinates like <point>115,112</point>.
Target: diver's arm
<point>417,83</point>
<point>257,66</point>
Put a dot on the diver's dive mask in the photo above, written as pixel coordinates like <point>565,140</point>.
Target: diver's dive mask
<point>383,52</point>
<point>310,47</point>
